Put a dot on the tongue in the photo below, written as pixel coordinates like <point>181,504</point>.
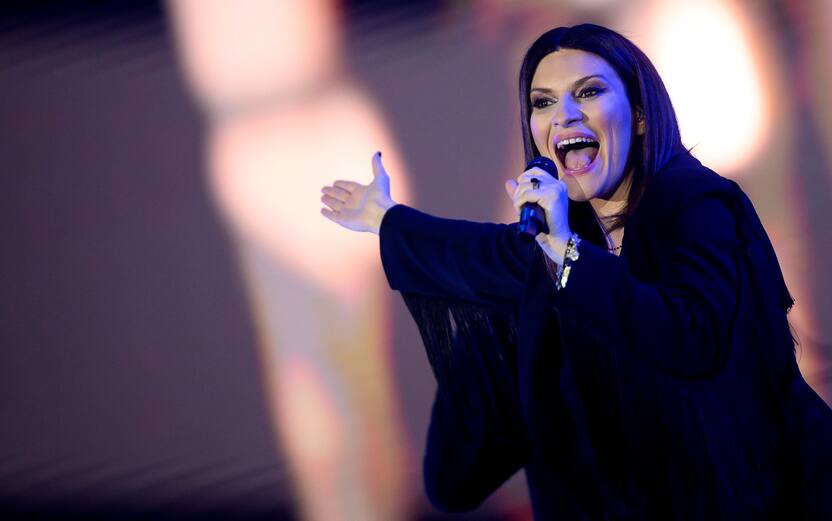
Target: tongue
<point>580,158</point>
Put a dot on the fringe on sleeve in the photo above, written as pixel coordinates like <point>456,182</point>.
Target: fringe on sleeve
<point>472,351</point>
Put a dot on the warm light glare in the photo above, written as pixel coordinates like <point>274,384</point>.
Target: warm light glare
<point>704,58</point>
<point>268,172</point>
<point>284,120</point>
<point>593,4</point>
<point>310,416</point>
<point>257,49</point>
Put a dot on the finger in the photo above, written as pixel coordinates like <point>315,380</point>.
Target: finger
<point>511,186</point>
<point>525,195</point>
<point>545,183</point>
<point>329,214</point>
<point>378,168</point>
<point>526,184</point>
<point>522,187</point>
<point>537,173</point>
<point>553,186</point>
<point>349,186</point>
<point>332,202</point>
<point>338,193</point>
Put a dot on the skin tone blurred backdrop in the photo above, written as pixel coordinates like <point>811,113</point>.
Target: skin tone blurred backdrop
<point>282,117</point>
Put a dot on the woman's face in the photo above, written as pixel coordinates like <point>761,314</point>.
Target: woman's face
<point>582,120</point>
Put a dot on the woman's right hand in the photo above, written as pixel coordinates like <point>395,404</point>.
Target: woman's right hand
<point>359,207</point>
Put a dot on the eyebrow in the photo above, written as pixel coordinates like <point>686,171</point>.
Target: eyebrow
<point>578,82</point>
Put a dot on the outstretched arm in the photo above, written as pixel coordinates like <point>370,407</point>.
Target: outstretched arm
<point>481,263</point>
<point>476,437</point>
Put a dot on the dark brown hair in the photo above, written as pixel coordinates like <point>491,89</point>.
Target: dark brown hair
<point>645,91</point>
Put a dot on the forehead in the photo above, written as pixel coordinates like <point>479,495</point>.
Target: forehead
<point>560,69</point>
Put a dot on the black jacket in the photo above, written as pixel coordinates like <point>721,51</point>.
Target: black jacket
<point>659,384</point>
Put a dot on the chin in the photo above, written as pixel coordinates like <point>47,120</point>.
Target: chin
<point>576,192</point>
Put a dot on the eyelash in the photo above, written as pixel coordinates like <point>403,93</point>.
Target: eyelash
<point>583,94</point>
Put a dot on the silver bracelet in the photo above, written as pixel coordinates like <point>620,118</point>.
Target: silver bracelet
<point>569,256</point>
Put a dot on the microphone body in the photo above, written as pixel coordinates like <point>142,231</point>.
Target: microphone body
<point>532,216</point>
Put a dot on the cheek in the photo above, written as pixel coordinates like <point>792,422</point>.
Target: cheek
<point>540,135</point>
<point>618,128</point>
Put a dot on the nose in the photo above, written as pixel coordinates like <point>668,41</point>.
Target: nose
<point>567,113</point>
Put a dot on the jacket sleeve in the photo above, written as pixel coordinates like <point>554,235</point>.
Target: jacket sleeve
<point>480,263</point>
<point>465,461</point>
<point>476,438</point>
<point>681,323</point>
<point>458,280</point>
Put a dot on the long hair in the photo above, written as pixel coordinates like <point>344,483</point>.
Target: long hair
<point>645,91</point>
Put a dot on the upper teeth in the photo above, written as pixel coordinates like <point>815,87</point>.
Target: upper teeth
<point>573,140</point>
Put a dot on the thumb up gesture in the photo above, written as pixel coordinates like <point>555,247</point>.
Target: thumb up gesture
<point>359,207</point>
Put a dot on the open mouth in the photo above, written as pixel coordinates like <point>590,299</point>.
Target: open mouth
<point>577,154</point>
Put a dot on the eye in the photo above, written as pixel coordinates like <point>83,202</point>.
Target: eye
<point>590,92</point>
<point>540,103</point>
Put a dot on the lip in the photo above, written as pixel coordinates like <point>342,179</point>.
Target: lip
<point>557,139</point>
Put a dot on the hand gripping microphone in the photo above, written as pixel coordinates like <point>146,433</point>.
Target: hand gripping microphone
<point>532,216</point>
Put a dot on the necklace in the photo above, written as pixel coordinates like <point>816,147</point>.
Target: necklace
<point>608,236</point>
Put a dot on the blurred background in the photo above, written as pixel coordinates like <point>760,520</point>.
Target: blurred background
<point>184,336</point>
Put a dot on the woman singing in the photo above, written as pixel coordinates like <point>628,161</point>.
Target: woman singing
<point>635,358</point>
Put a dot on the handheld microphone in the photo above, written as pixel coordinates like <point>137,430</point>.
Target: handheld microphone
<point>532,216</point>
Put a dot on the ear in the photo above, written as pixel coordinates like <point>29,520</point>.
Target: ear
<point>641,125</point>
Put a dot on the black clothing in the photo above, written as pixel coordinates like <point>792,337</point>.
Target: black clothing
<point>658,384</point>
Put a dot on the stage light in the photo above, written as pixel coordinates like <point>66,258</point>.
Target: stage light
<point>705,58</point>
